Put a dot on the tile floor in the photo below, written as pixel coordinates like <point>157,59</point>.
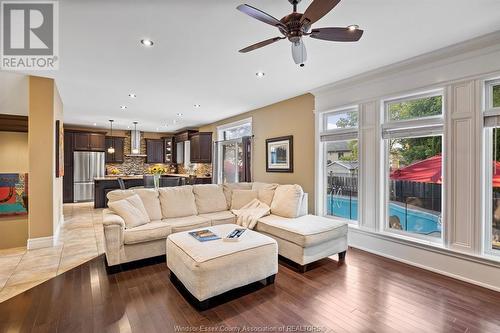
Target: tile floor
<point>81,239</point>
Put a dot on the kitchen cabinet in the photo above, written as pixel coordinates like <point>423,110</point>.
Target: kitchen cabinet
<point>68,167</point>
<point>118,143</point>
<point>169,145</point>
<point>184,135</point>
<point>85,141</point>
<point>155,151</point>
<point>201,147</point>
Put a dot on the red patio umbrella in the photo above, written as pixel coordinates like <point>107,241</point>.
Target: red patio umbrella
<point>430,171</point>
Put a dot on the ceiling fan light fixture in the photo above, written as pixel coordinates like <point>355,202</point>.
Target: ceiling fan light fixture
<point>353,27</point>
<point>147,42</point>
<point>299,52</point>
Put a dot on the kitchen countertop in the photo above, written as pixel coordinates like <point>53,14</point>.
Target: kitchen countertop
<point>124,177</point>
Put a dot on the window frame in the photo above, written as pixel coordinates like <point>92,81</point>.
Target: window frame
<point>410,128</point>
<point>332,135</point>
<point>240,123</point>
<point>488,111</point>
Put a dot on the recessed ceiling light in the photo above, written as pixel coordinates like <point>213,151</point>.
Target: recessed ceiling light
<point>147,42</point>
<point>197,106</point>
<point>123,107</point>
<point>95,124</point>
<point>179,115</point>
<point>353,27</point>
<point>132,95</point>
<point>260,74</point>
<point>174,121</point>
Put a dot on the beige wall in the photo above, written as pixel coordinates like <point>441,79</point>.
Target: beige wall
<point>45,108</point>
<point>290,117</point>
<point>13,159</point>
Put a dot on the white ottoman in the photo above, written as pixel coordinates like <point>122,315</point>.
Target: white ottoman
<point>208,269</point>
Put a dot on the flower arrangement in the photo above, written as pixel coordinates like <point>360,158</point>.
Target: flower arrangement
<point>114,171</point>
<point>157,169</point>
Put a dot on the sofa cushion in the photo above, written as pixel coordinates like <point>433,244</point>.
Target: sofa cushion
<point>286,201</point>
<point>223,217</point>
<point>151,200</point>
<point>242,197</point>
<point>177,201</point>
<point>265,192</point>
<point>187,223</point>
<point>147,232</point>
<point>132,210</point>
<point>228,190</point>
<point>305,231</point>
<point>116,195</point>
<point>209,198</point>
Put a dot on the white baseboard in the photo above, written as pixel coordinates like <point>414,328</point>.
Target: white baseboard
<point>461,268</point>
<point>40,242</point>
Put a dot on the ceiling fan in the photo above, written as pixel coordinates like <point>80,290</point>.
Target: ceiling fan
<point>296,25</point>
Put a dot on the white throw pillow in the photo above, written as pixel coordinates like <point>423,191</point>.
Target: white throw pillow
<point>132,211</point>
<point>242,197</point>
<point>209,198</point>
<point>287,200</point>
<point>151,200</point>
<point>229,187</point>
<point>266,192</point>
<point>116,195</point>
<point>177,201</point>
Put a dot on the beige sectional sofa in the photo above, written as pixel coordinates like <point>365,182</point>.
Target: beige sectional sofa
<point>301,238</point>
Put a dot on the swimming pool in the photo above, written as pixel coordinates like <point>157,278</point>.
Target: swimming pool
<point>412,220</point>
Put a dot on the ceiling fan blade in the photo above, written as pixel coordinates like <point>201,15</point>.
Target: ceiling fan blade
<point>337,34</point>
<point>260,15</point>
<point>260,44</point>
<point>317,9</point>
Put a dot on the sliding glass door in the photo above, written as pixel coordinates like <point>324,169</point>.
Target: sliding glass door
<point>233,160</point>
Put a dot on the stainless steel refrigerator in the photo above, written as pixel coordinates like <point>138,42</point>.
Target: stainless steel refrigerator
<point>87,166</point>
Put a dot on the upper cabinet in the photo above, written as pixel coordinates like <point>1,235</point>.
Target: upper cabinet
<point>201,147</point>
<point>169,145</point>
<point>118,143</point>
<point>89,141</point>
<point>155,151</point>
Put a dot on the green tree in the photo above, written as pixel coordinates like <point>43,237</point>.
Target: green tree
<point>353,156</point>
<point>496,96</point>
<point>416,149</point>
<point>350,120</point>
<point>422,107</point>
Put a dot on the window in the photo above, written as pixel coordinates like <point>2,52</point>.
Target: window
<point>492,158</point>
<point>413,166</point>
<point>235,130</point>
<point>340,150</point>
<point>233,152</point>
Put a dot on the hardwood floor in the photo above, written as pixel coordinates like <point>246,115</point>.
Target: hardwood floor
<point>365,294</point>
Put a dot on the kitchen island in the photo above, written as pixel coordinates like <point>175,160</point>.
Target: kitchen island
<point>103,185</point>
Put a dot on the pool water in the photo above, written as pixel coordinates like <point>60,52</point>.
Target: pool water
<point>412,220</point>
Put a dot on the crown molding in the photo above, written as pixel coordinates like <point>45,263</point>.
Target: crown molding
<point>465,50</point>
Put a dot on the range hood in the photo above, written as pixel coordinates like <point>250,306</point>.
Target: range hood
<point>135,144</point>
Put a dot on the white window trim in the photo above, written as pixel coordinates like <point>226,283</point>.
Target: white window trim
<point>332,135</point>
<point>489,112</point>
<point>411,128</point>
<point>239,123</point>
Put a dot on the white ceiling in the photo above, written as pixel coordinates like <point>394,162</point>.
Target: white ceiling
<point>195,59</point>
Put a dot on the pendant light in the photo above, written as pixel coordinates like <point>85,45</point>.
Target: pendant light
<point>111,149</point>
<point>135,150</point>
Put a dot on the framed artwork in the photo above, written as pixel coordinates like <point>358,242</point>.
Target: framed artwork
<point>13,194</point>
<point>59,149</point>
<point>279,154</point>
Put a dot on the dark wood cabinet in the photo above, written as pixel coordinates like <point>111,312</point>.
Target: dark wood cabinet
<point>68,167</point>
<point>169,146</point>
<point>155,151</point>
<point>201,147</point>
<point>118,143</point>
<point>85,141</point>
<point>97,142</point>
<point>184,135</point>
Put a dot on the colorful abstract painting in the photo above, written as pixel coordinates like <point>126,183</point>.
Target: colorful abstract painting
<point>13,194</point>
